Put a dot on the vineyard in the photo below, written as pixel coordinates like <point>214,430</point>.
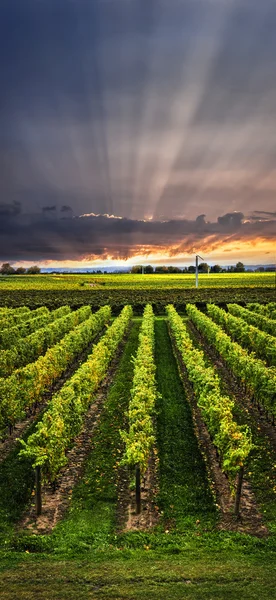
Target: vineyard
<point>55,290</point>
<point>121,430</point>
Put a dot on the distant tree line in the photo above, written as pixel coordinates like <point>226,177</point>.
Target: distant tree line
<point>202,268</point>
<point>7,269</point>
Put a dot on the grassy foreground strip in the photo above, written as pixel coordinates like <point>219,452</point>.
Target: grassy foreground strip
<point>140,438</point>
<point>10,335</point>
<point>185,499</point>
<point>63,419</point>
<point>28,349</point>
<point>199,573</point>
<point>259,380</point>
<point>260,342</point>
<point>258,320</point>
<point>26,386</point>
<point>232,441</point>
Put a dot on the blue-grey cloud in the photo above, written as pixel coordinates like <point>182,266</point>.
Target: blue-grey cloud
<point>161,109</point>
<point>51,236</point>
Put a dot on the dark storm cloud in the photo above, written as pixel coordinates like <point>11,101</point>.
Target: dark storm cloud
<point>265,213</point>
<point>100,236</point>
<point>157,108</point>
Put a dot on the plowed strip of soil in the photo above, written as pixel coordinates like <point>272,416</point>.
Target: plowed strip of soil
<point>148,516</point>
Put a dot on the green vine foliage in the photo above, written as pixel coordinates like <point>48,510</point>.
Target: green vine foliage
<point>12,316</point>
<point>26,386</point>
<point>140,438</point>
<point>10,335</point>
<point>260,342</point>
<point>259,380</point>
<point>258,320</point>
<point>233,442</point>
<point>63,419</point>
<point>267,310</point>
<point>28,349</point>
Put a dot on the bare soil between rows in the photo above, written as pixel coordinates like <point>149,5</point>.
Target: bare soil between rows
<point>127,519</point>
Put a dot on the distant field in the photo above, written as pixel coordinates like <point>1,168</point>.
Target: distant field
<point>128,281</point>
<point>117,290</point>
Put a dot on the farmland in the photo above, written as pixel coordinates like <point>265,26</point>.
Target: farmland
<point>126,281</point>
<point>54,291</point>
<point>138,447</point>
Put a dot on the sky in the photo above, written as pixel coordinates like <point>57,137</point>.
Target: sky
<point>137,131</point>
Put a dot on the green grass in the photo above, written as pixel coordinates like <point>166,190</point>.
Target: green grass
<point>185,497</point>
<point>196,574</point>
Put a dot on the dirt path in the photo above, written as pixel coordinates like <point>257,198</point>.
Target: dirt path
<point>149,515</point>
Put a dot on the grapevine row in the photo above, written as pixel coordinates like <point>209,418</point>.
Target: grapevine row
<point>267,310</point>
<point>5,310</point>
<point>232,441</point>
<point>64,417</point>
<point>11,316</point>
<point>259,380</point>
<point>16,319</point>
<point>28,349</point>
<point>140,438</point>
<point>252,318</point>
<point>26,386</point>
<point>10,335</point>
<point>263,344</point>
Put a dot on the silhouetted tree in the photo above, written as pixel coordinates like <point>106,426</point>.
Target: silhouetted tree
<point>216,269</point>
<point>240,267</point>
<point>173,269</point>
<point>136,269</point>
<point>203,268</point>
<point>20,271</point>
<point>148,269</point>
<point>33,270</point>
<point>7,269</point>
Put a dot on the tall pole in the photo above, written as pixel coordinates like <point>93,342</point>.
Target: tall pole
<point>197,257</point>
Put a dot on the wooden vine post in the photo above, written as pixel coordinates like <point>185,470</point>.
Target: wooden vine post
<point>138,488</point>
<point>238,492</point>
<point>38,499</point>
